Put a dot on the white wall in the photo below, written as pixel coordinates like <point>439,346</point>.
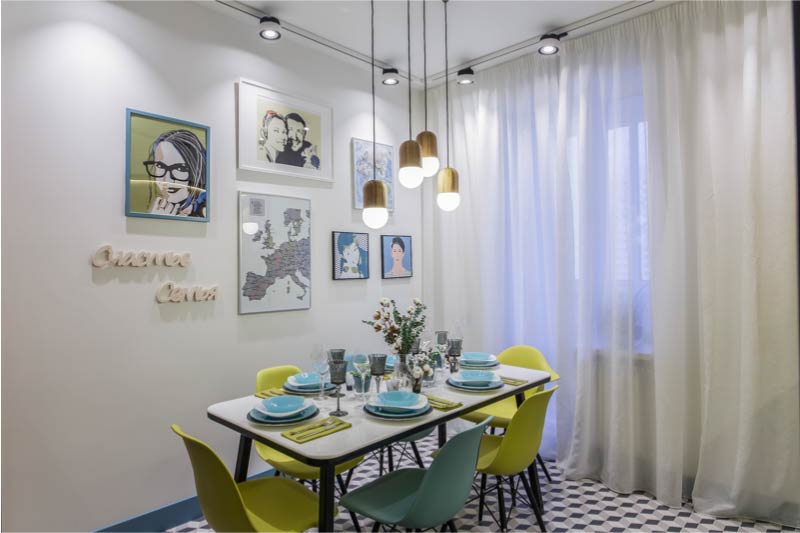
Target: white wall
<point>94,371</point>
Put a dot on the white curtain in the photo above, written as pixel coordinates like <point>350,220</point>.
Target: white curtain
<point>630,208</point>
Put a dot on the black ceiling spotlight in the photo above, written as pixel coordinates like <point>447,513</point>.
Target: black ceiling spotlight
<point>466,76</point>
<point>390,76</point>
<point>270,28</point>
<point>550,43</point>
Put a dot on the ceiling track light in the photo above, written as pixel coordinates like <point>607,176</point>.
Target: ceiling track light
<point>466,76</point>
<point>270,28</point>
<point>550,43</point>
<point>375,214</point>
<point>390,76</point>
<point>410,173</point>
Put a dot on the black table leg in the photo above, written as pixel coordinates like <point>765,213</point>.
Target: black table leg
<point>327,479</point>
<point>242,459</point>
<point>442,434</point>
<point>520,398</point>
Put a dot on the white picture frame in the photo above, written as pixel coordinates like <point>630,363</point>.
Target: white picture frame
<point>259,147</point>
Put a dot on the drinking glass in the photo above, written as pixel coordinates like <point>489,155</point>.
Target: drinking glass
<point>361,364</point>
<point>377,367</point>
<point>319,363</point>
<point>336,354</point>
<point>441,337</point>
<point>338,377</point>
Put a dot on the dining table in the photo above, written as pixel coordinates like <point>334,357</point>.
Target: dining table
<point>367,432</point>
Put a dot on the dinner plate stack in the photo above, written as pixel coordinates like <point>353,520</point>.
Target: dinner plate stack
<point>475,380</point>
<point>306,383</point>
<point>477,360</point>
<point>398,405</point>
<point>282,410</point>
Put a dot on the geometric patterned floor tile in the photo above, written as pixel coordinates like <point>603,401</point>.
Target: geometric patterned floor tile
<point>583,505</point>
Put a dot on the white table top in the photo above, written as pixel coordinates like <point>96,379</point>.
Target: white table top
<point>366,429</point>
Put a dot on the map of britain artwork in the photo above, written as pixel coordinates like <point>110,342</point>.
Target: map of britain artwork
<point>275,253</point>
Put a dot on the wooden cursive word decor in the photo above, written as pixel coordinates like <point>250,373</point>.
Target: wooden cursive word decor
<point>168,293</point>
<point>106,256</point>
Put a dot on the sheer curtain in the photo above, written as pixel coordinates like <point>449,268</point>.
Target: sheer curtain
<point>629,208</point>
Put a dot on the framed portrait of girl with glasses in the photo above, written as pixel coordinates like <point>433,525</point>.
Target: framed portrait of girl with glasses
<point>167,170</point>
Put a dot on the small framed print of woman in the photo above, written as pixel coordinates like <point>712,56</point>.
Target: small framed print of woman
<point>396,257</point>
<point>167,169</point>
<point>350,255</point>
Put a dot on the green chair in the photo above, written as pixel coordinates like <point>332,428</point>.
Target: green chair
<point>503,411</point>
<point>265,504</point>
<point>415,498</point>
<point>510,455</point>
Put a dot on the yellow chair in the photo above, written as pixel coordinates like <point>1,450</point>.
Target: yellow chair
<point>503,411</point>
<point>265,504</point>
<point>275,377</point>
<point>513,453</point>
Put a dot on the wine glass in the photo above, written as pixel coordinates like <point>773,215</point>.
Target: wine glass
<point>361,364</point>
<point>377,367</point>
<point>338,377</point>
<point>319,363</point>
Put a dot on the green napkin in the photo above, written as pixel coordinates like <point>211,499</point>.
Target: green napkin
<point>513,381</point>
<point>441,404</point>
<point>315,430</point>
<point>269,393</point>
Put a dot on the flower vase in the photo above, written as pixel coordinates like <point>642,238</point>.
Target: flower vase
<point>402,372</point>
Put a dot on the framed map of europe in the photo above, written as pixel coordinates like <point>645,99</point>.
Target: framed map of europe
<point>274,253</point>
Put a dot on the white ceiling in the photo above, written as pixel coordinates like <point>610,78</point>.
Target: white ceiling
<point>476,27</point>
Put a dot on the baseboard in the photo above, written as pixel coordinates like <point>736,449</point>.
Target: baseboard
<point>169,516</point>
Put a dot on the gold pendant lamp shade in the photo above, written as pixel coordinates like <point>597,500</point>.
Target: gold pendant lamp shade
<point>430,153</point>
<point>448,198</point>
<point>410,174</point>
<point>375,213</point>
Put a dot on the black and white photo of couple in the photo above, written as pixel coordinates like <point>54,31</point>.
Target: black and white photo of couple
<point>283,140</point>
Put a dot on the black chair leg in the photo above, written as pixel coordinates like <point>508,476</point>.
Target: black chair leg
<point>376,527</point>
<point>544,467</point>
<point>380,461</point>
<point>391,458</point>
<point>502,502</point>
<point>314,485</point>
<point>481,497</point>
<point>513,493</point>
<point>533,474</point>
<point>491,430</point>
<point>536,510</point>
<point>417,455</point>
<point>342,486</point>
<point>349,477</point>
<point>452,524</point>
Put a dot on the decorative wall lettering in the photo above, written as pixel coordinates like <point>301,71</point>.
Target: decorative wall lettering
<point>169,293</point>
<point>106,256</point>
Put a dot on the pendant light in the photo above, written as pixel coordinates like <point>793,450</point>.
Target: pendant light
<point>375,215</point>
<point>410,175</point>
<point>447,198</point>
<point>427,139</point>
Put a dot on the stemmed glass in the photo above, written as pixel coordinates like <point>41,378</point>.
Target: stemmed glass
<point>336,355</point>
<point>338,377</point>
<point>320,365</point>
<point>377,367</point>
<point>361,364</point>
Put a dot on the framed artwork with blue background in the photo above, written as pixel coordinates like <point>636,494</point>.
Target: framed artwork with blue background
<point>166,168</point>
<point>350,255</point>
<point>362,170</point>
<point>396,256</point>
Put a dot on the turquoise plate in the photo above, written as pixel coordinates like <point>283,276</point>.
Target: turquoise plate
<point>308,391</point>
<point>258,417</point>
<point>476,388</point>
<point>380,413</point>
<point>477,356</point>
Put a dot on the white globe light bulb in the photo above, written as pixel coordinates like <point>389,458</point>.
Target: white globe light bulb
<point>448,201</point>
<point>375,217</point>
<point>410,177</point>
<point>250,228</point>
<point>430,166</point>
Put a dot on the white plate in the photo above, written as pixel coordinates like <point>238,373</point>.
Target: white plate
<point>261,409</point>
<point>421,403</point>
<point>304,386</point>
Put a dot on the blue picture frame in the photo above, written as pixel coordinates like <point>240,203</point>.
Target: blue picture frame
<point>404,268</point>
<point>140,128</point>
<point>340,241</point>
